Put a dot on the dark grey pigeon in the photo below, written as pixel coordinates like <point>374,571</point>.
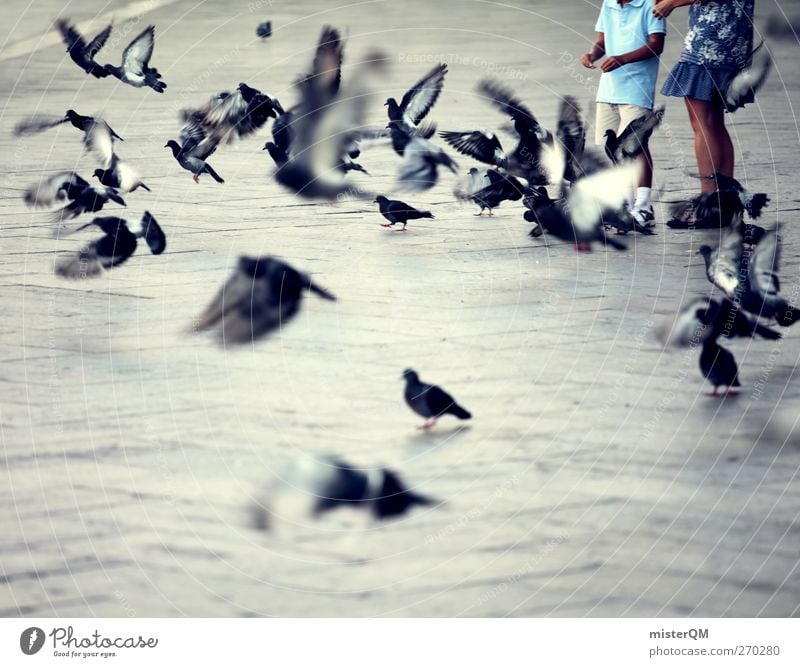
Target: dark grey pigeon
<point>497,187</point>
<point>83,54</point>
<point>724,261</point>
<point>396,211</point>
<point>634,138</point>
<point>263,294</point>
<point>331,482</point>
<point>718,365</point>
<point>116,245</point>
<point>741,87</point>
<point>430,401</point>
<point>135,69</point>
<point>192,162</point>
<point>68,185</point>
<point>483,146</point>
<point>264,30</point>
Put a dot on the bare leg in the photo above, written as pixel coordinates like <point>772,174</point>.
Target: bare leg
<point>646,179</point>
<point>712,145</point>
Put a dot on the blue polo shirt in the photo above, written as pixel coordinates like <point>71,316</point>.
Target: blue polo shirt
<point>626,28</point>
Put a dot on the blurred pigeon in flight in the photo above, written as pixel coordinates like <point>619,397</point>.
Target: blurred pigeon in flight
<point>83,54</point>
<point>262,294</point>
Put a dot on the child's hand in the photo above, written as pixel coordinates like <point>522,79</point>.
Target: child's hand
<point>611,63</point>
<point>663,8</point>
<point>586,61</point>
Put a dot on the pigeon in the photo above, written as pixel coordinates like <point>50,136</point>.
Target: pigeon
<point>579,161</point>
<point>742,85</point>
<point>483,146</point>
<point>120,176</point>
<point>83,198</point>
<point>264,30</point>
<point>116,245</point>
<point>593,201</point>
<point>718,208</point>
<point>326,126</point>
<point>761,294</point>
<point>723,263</point>
<point>228,115</point>
<point>396,211</point>
<point>491,188</point>
<point>525,160</point>
<point>634,138</point>
<point>83,54</point>
<point>419,170</point>
<point>430,401</point>
<point>262,294</point>
<point>405,117</point>
<point>192,162</point>
<point>329,482</point>
<point>135,69</point>
<point>98,136</point>
<point>702,318</point>
<point>719,366</point>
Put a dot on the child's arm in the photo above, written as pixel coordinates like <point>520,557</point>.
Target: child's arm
<point>663,8</point>
<point>654,47</point>
<point>597,52</point>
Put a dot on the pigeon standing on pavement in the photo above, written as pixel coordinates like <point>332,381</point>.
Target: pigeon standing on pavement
<point>396,211</point>
<point>718,365</point>
<point>116,245</point>
<point>83,54</point>
<point>135,69</point>
<point>430,401</point>
<point>262,294</point>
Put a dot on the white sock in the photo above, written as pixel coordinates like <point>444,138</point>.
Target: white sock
<point>643,198</point>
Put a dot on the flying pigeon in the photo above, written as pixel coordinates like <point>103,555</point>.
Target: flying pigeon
<point>83,198</point>
<point>262,294</point>
<point>716,209</point>
<point>192,162</point>
<point>116,245</point>
<point>761,294</point>
<point>329,482</point>
<point>593,202</point>
<point>723,262</point>
<point>83,54</point>
<point>420,167</point>
<point>405,117</point>
<point>702,318</point>
<point>97,134</point>
<point>120,176</point>
<point>135,69</point>
<point>634,138</point>
<point>397,211</point>
<point>326,125</point>
<point>483,146</point>
<point>488,189</point>
<point>743,84</point>
<point>430,401</point>
<point>719,366</point>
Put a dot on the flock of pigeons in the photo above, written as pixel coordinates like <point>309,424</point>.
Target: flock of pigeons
<point>568,190</point>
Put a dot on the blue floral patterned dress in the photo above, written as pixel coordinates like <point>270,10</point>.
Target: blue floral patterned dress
<point>719,42</point>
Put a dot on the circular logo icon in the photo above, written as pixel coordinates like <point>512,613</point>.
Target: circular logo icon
<point>31,640</point>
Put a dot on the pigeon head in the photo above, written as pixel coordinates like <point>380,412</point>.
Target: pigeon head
<point>97,173</point>
<point>394,498</point>
<point>71,114</point>
<point>410,375</point>
<point>610,134</point>
<point>380,199</point>
<point>472,171</point>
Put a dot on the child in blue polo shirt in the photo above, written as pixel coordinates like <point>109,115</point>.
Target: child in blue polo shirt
<point>631,38</point>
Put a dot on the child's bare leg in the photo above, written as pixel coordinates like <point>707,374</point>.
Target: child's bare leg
<point>646,179</point>
<point>723,141</point>
<point>707,150</point>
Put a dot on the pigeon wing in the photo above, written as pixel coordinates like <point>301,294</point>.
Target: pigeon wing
<point>136,55</point>
<point>98,42</point>
<point>55,188</point>
<point>421,97</point>
<point>476,144</point>
<point>605,190</point>
<point>39,123</point>
<point>764,265</point>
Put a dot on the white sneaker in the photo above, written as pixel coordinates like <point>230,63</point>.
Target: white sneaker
<point>644,216</point>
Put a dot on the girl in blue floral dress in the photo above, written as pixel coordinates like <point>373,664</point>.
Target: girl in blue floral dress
<point>719,42</point>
